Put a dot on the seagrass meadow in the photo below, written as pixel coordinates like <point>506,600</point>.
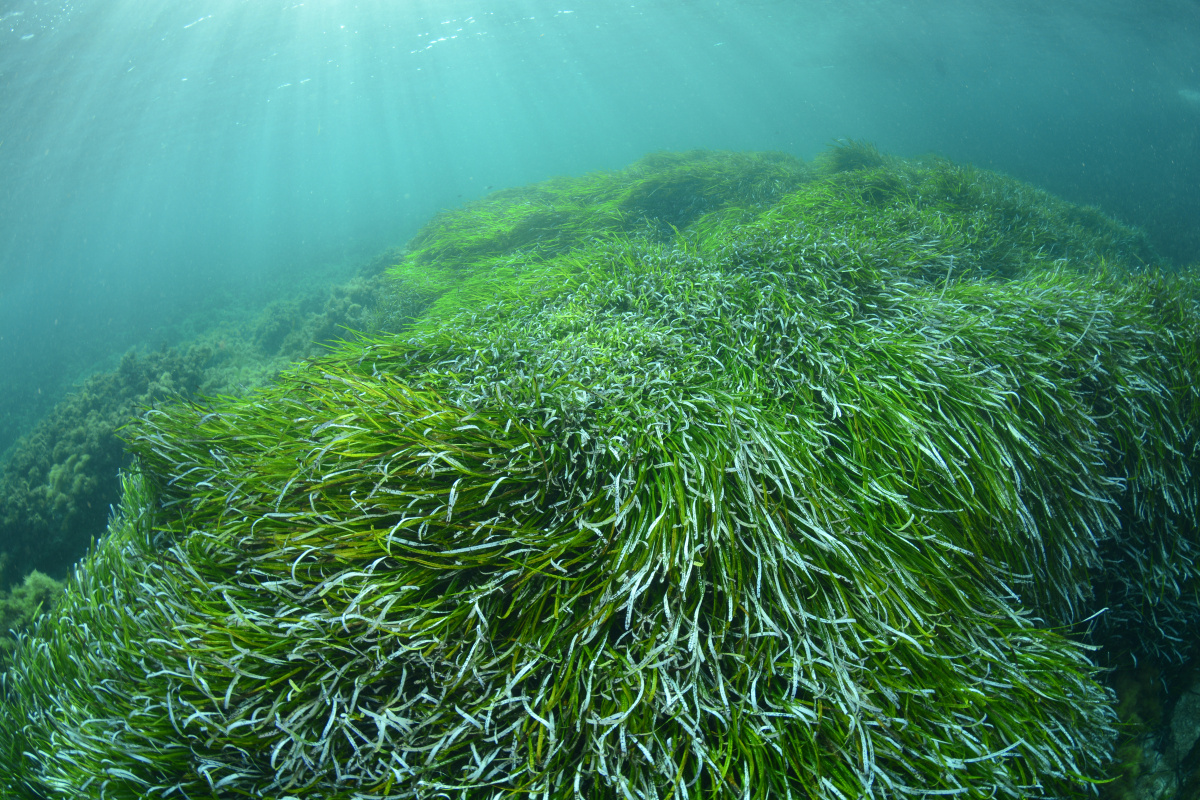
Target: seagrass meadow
<point>720,476</point>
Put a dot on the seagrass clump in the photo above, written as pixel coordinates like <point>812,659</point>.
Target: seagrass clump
<point>811,500</point>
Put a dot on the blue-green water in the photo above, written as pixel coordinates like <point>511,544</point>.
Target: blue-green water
<point>161,158</point>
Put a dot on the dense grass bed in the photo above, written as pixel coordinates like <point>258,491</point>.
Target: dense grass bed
<point>721,476</point>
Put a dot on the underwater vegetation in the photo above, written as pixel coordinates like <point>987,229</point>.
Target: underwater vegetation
<point>59,482</point>
<point>464,253</point>
<point>822,483</point>
<point>21,605</point>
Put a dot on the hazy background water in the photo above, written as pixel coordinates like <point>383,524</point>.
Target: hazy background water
<point>161,158</point>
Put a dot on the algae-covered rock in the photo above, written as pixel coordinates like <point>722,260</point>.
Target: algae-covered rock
<point>21,605</point>
<point>845,489</point>
<point>59,482</point>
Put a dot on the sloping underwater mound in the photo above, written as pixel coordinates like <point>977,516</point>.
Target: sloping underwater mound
<point>777,481</point>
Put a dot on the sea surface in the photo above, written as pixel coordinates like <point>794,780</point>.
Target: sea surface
<point>162,162</point>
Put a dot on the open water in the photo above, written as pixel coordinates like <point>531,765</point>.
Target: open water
<point>162,158</point>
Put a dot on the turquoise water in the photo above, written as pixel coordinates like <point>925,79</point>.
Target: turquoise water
<point>164,158</point>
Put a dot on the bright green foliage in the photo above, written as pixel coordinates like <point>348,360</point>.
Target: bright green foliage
<point>813,499</point>
<point>471,251</point>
